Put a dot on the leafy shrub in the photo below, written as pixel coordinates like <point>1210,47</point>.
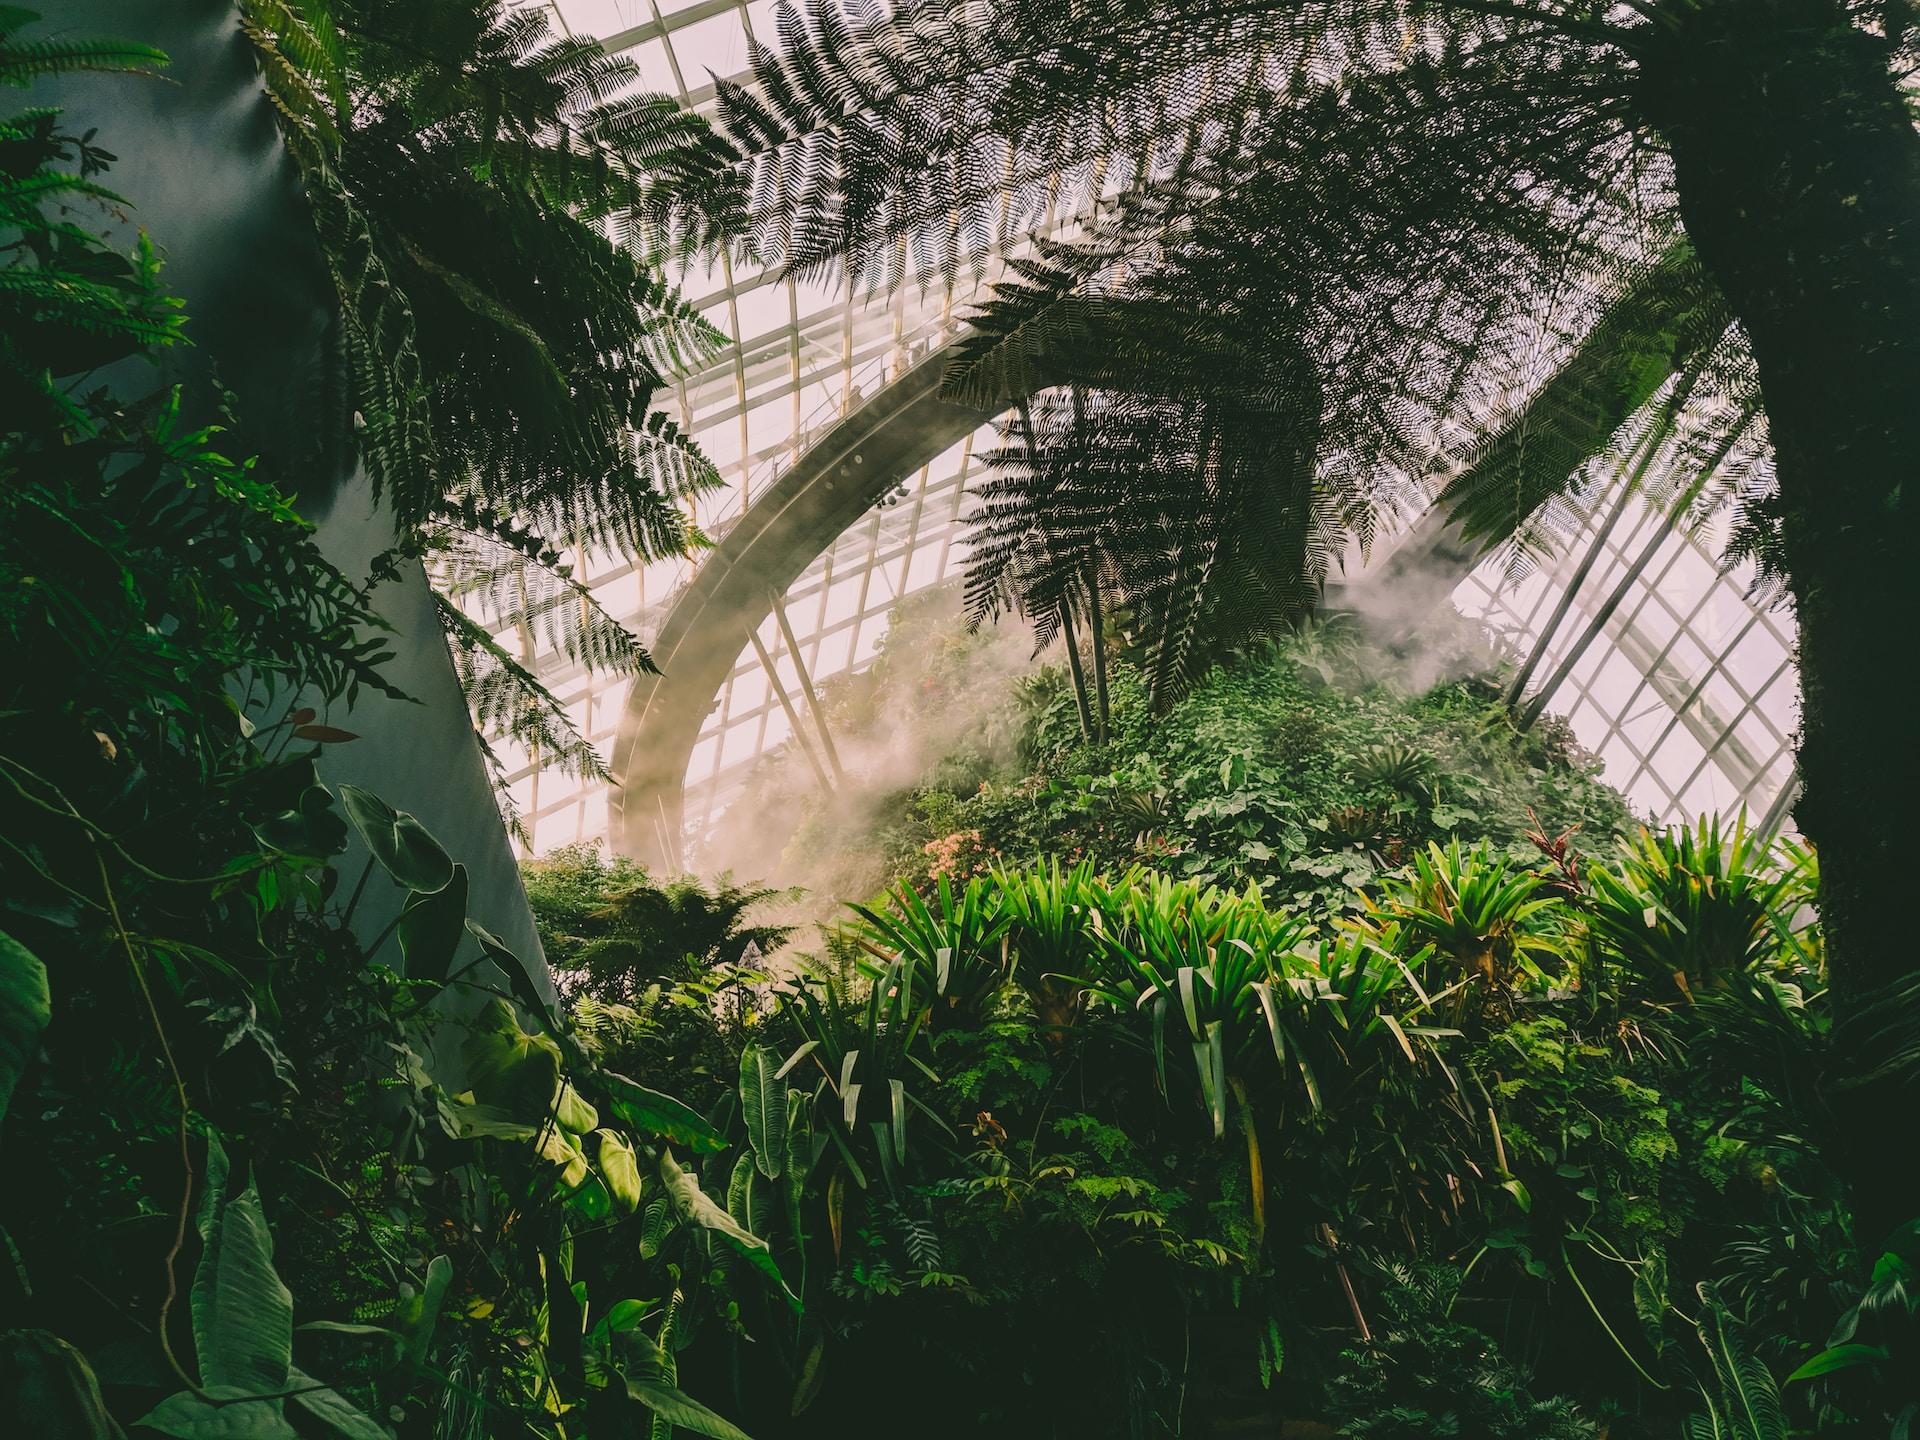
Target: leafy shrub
<point>1306,768</point>
<point>1426,1375</point>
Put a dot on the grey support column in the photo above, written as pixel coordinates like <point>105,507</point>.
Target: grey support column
<point>201,161</point>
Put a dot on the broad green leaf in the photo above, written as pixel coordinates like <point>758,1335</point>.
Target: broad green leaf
<point>762,1197</point>
<point>483,1122</point>
<point>187,1417</point>
<point>562,1148</point>
<point>899,1089</point>
<point>620,1170</point>
<point>763,1102</point>
<point>737,1191</point>
<point>431,927</point>
<point>592,1200</point>
<point>806,1386</point>
<point>800,1157</point>
<point>622,1317</point>
<point>423,1312</point>
<point>572,1112</point>
<point>314,827</point>
<point>26,1007</point>
<point>1840,1357</point>
<point>242,1311</point>
<point>509,1068</point>
<point>334,1412</point>
<point>801,1053</point>
<point>682,1411</point>
<point>511,966</point>
<point>695,1207</point>
<point>399,842</point>
<point>1184,977</point>
<point>655,1114</point>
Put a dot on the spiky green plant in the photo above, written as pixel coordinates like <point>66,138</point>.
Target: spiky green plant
<point>1742,1400</point>
<point>1697,907</point>
<point>947,958</point>
<point>1488,917</point>
<point>1398,768</point>
<point>1051,935</point>
<point>1195,959</point>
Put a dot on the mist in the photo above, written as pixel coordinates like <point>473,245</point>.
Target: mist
<point>936,710</point>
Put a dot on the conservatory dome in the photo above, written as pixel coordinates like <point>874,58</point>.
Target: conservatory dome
<point>1660,656</point>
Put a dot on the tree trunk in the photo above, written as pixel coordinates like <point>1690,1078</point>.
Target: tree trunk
<point>1073,668</point>
<point>1097,628</point>
<point>1798,172</point>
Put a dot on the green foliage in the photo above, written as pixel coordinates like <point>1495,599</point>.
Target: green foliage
<point>1863,1374</point>
<point>1742,1400</point>
<point>1700,909</point>
<point>943,958</point>
<point>1169,1110</point>
<point>1425,1374</point>
<point>1479,910</point>
<point>606,921</point>
<point>1299,267</point>
<point>389,1138</point>
<point>67,303</point>
<point>1270,771</point>
<point>501,350</point>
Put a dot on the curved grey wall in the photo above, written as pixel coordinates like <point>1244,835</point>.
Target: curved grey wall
<point>201,162</point>
<point>839,478</point>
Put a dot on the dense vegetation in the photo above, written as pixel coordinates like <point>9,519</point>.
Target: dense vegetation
<point>1316,1057</point>
<point>1331,262</point>
<point>273,1171</point>
<point>1307,766</point>
<point>1274,1047</point>
<point>1488,1147</point>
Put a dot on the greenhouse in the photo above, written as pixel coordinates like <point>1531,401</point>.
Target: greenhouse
<point>1049,718</point>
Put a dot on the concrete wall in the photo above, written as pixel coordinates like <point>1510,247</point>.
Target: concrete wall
<point>201,162</point>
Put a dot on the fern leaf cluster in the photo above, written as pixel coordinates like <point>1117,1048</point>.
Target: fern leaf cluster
<point>487,200</point>
<point>1329,263</point>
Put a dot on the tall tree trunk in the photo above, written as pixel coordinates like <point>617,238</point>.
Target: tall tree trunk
<point>1097,635</point>
<point>1798,171</point>
<point>1073,668</point>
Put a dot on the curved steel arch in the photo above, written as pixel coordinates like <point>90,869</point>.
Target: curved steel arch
<point>906,425</point>
<point>837,480</point>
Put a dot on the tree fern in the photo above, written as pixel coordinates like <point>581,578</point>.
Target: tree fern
<point>469,173</point>
<point>1449,214</point>
<point>22,61</point>
<point>1742,1400</point>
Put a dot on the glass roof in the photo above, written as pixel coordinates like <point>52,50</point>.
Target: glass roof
<point>1661,661</point>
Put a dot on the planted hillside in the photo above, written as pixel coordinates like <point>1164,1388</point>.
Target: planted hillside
<point>1489,1146</point>
<point>1327,1056</point>
<point>1306,766</point>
